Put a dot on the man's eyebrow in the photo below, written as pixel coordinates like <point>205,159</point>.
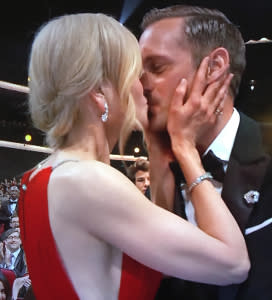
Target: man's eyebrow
<point>151,58</point>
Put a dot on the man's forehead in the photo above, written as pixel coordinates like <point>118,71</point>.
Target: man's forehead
<point>161,42</point>
<point>14,188</point>
<point>14,234</point>
<point>162,29</point>
<point>140,173</point>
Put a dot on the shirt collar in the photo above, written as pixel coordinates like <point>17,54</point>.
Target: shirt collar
<point>16,253</point>
<point>223,143</point>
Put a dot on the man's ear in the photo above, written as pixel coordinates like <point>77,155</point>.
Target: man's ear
<point>218,64</point>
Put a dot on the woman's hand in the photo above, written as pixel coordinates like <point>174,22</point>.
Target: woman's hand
<point>189,117</point>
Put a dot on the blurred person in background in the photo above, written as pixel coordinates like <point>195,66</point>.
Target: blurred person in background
<point>138,172</point>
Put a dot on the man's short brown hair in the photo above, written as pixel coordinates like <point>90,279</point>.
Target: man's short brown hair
<point>139,165</point>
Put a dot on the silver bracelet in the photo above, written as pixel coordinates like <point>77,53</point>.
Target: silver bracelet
<point>199,179</point>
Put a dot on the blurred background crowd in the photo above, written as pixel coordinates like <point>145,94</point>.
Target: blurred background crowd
<point>14,278</point>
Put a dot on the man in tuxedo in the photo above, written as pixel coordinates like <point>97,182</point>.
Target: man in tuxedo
<point>9,206</point>
<point>173,43</point>
<point>14,259</point>
<point>13,199</point>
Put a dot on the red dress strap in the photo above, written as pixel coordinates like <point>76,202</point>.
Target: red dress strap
<point>46,270</point>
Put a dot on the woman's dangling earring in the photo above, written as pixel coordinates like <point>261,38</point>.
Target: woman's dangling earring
<point>105,115</point>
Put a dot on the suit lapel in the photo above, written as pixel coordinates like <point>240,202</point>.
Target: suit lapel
<point>19,265</point>
<point>17,259</point>
<point>246,169</point>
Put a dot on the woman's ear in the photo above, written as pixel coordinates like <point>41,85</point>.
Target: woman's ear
<point>218,64</point>
<point>99,100</point>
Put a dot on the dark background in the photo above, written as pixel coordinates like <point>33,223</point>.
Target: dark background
<point>20,19</point>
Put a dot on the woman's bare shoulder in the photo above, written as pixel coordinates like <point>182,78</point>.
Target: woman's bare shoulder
<point>76,171</point>
<point>86,179</point>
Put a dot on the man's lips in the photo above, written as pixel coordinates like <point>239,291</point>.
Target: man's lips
<point>151,106</point>
<point>149,115</point>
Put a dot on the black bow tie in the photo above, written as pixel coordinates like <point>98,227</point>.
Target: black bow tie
<point>214,165</point>
<point>211,163</point>
<point>12,201</point>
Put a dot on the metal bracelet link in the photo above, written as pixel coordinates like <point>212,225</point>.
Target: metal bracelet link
<point>199,179</point>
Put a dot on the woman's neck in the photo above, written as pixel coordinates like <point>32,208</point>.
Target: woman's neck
<point>89,143</point>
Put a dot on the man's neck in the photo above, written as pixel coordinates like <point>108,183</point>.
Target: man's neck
<point>14,250</point>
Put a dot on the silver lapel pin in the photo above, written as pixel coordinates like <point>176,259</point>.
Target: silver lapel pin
<point>252,197</point>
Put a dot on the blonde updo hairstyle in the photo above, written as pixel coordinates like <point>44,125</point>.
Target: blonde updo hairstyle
<point>70,56</point>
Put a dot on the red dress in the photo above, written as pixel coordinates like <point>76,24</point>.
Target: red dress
<point>48,275</point>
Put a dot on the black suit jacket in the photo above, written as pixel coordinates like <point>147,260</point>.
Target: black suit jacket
<point>20,268</point>
<point>249,169</point>
<point>5,214</point>
<point>5,208</point>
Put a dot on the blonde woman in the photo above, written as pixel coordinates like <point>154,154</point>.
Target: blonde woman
<point>87,231</point>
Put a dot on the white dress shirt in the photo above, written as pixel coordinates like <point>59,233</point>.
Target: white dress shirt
<point>221,147</point>
<point>12,207</point>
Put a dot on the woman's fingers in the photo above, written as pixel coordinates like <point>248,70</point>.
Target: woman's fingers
<point>212,90</point>
<point>221,95</point>
<point>179,95</point>
<point>176,106</point>
<point>203,93</point>
<point>200,81</point>
<point>213,98</point>
<point>220,75</point>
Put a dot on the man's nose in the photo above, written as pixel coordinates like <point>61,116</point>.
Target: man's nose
<point>146,82</point>
<point>146,182</point>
